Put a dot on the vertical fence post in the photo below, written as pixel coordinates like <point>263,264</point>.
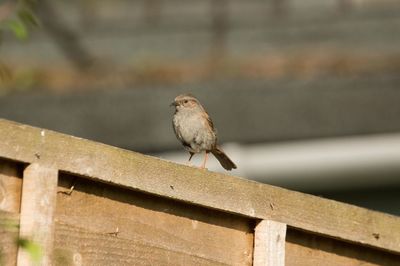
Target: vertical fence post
<point>269,243</point>
<point>39,191</point>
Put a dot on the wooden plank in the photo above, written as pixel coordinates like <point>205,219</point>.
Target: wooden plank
<point>10,198</point>
<point>78,246</point>
<point>304,249</point>
<point>133,228</point>
<point>8,235</point>
<point>39,189</point>
<point>230,194</point>
<point>10,186</point>
<point>269,244</point>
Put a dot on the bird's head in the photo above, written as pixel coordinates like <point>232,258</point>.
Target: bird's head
<point>185,101</point>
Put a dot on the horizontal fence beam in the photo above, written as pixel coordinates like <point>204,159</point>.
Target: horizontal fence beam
<point>200,187</point>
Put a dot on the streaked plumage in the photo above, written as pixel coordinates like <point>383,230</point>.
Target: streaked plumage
<point>194,128</point>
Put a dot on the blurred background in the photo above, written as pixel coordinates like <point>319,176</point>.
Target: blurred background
<point>305,94</point>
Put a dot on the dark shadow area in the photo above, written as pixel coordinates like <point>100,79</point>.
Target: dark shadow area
<point>340,248</point>
<point>12,167</point>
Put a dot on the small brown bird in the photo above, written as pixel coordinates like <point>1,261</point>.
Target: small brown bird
<point>194,128</point>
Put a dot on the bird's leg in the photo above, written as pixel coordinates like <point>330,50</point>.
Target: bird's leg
<point>191,155</point>
<point>203,166</point>
<point>188,162</point>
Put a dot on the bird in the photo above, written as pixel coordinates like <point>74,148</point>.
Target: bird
<point>194,128</point>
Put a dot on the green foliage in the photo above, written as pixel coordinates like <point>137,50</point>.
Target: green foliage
<point>33,249</point>
<point>18,28</point>
<point>17,17</point>
<point>27,16</point>
<point>20,19</point>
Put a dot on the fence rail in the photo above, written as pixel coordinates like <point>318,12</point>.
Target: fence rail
<point>127,207</point>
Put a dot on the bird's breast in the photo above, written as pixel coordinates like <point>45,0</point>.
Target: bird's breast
<point>192,128</point>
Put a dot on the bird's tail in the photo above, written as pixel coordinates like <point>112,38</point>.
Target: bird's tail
<point>223,159</point>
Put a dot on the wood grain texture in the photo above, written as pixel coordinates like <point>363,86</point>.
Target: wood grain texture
<point>39,189</point>
<point>269,243</point>
<point>10,186</point>
<point>105,225</point>
<point>8,237</point>
<point>303,249</point>
<point>10,200</point>
<point>217,191</point>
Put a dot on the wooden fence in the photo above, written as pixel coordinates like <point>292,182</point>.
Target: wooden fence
<point>129,209</point>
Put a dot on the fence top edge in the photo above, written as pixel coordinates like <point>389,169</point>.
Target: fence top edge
<point>226,193</point>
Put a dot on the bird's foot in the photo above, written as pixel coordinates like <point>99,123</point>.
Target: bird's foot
<point>203,167</point>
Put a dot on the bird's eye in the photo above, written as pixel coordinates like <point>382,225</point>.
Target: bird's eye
<point>185,101</point>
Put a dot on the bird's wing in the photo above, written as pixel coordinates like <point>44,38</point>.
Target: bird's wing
<point>211,125</point>
<point>209,121</point>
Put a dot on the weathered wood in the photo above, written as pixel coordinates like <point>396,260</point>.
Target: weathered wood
<point>269,244</point>
<point>304,249</point>
<point>230,194</point>
<point>39,189</point>
<point>8,237</point>
<point>10,186</point>
<point>106,225</point>
<point>79,246</point>
<point>10,199</point>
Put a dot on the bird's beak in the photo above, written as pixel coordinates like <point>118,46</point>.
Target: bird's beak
<point>173,104</point>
